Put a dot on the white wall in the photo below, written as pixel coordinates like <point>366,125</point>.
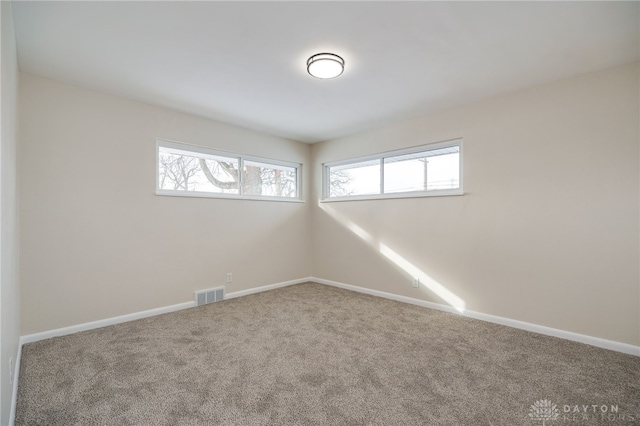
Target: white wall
<point>547,232</point>
<point>9,252</point>
<point>97,242</point>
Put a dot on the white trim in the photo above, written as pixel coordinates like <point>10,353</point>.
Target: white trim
<point>589,340</point>
<point>226,196</point>
<point>395,195</point>
<point>254,290</point>
<point>461,165</point>
<point>594,341</point>
<point>16,378</point>
<point>30,338</point>
<point>563,334</point>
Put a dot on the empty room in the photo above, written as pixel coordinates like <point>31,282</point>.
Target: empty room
<point>320,213</point>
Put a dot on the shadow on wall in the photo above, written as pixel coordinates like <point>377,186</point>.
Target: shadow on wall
<point>396,259</point>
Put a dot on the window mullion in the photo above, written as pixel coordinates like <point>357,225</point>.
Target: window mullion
<point>240,169</point>
<point>298,181</point>
<point>328,182</point>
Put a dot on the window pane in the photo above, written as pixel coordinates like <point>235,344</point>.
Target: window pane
<point>404,176</point>
<point>422,171</point>
<point>192,171</point>
<point>361,178</point>
<point>443,172</point>
<point>269,180</point>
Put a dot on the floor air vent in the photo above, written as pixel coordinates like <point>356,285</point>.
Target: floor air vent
<point>211,295</point>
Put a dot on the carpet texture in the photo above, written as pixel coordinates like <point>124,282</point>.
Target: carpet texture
<point>310,354</point>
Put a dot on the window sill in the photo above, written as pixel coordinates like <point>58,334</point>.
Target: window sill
<point>440,193</point>
<point>194,194</point>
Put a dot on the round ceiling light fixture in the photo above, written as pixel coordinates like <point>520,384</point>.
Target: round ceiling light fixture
<point>325,65</point>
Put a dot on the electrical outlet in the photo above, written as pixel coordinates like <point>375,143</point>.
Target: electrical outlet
<point>416,282</point>
<point>229,277</point>
<point>11,370</point>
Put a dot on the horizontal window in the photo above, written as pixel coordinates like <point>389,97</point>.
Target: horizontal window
<point>202,172</point>
<point>434,169</point>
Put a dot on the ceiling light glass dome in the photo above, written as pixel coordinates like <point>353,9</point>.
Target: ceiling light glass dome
<point>325,65</point>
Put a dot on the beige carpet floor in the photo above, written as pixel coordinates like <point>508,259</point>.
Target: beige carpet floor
<point>310,354</point>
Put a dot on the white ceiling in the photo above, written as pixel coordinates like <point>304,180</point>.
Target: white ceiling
<point>244,63</point>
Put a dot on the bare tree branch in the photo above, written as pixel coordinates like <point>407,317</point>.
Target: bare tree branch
<point>211,178</point>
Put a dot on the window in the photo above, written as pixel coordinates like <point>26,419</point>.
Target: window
<point>427,170</point>
<point>201,172</point>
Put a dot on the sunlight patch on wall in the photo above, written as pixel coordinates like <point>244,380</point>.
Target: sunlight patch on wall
<point>433,285</point>
<point>401,262</point>
<point>350,225</point>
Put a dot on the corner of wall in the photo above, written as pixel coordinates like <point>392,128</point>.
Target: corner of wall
<point>9,252</point>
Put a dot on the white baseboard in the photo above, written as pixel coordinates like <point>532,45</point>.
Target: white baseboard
<point>589,340</point>
<point>563,334</point>
<point>568,335</point>
<point>14,390</point>
<point>29,338</point>
<point>254,290</point>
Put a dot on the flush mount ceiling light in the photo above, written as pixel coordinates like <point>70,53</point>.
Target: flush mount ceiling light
<point>325,65</point>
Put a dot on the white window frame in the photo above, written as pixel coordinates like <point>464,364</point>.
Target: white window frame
<point>241,158</point>
<point>381,157</point>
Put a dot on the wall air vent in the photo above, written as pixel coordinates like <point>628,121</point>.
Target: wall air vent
<point>204,297</point>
